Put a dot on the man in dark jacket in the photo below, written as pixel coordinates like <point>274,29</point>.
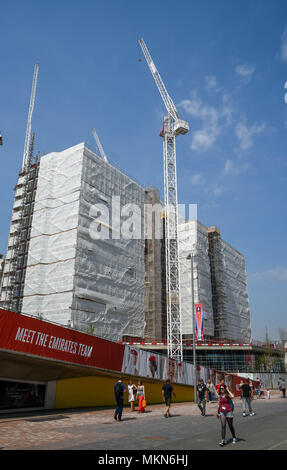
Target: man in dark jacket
<point>119,390</point>
<point>201,390</point>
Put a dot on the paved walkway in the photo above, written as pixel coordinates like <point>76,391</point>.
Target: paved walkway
<point>96,428</point>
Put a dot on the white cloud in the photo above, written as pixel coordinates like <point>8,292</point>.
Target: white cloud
<point>245,135</point>
<point>232,168</point>
<point>227,108</point>
<point>197,179</point>
<point>276,274</point>
<point>192,106</point>
<point>210,81</point>
<point>284,45</point>
<point>213,119</point>
<point>217,189</point>
<point>204,139</point>
<point>245,72</point>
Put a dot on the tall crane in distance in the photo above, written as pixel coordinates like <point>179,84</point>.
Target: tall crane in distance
<point>15,263</point>
<point>100,147</point>
<point>28,143</point>
<point>172,127</point>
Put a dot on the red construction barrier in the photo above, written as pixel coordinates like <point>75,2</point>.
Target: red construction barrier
<point>29,335</point>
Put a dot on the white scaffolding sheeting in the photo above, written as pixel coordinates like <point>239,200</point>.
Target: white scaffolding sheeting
<point>193,238</point>
<point>48,290</point>
<point>237,312</point>
<point>72,277</point>
<point>110,273</point>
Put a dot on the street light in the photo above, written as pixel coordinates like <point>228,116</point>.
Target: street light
<point>190,257</point>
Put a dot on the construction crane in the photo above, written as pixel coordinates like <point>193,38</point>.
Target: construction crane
<point>172,127</point>
<point>15,265</point>
<point>103,155</point>
<point>27,145</point>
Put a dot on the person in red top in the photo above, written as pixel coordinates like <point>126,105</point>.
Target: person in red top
<point>218,386</point>
<point>225,413</point>
<point>221,382</point>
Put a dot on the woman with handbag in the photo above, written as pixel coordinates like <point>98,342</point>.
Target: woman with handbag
<point>141,397</point>
<point>225,413</point>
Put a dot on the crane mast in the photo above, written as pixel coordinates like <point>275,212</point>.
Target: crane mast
<point>172,127</point>
<point>100,147</point>
<point>27,145</point>
<point>15,264</point>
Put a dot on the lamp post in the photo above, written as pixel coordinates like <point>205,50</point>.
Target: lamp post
<point>190,257</point>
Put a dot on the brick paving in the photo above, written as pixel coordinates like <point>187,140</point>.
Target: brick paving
<point>96,428</point>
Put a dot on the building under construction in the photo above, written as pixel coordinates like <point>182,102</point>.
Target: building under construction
<point>84,268</point>
<point>230,300</point>
<point>220,284</point>
<point>155,278</point>
<point>72,263</point>
<point>81,251</point>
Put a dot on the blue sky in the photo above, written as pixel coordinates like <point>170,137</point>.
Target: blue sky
<point>225,65</point>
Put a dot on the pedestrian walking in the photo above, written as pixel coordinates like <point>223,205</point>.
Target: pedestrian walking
<point>252,389</point>
<point>210,390</point>
<point>246,397</point>
<point>141,396</point>
<point>201,391</point>
<point>259,389</point>
<point>283,388</point>
<point>132,390</point>
<point>119,390</point>
<point>218,386</point>
<point>167,393</point>
<point>268,393</point>
<point>225,413</point>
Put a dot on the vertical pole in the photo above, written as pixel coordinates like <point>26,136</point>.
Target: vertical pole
<point>193,328</point>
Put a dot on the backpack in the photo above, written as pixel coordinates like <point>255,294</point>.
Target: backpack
<point>118,389</point>
<point>231,404</point>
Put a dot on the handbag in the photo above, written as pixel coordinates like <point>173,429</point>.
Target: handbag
<point>144,403</point>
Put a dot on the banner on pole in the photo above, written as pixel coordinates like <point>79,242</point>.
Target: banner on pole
<point>199,321</point>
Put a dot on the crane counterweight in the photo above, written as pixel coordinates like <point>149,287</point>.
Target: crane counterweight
<point>180,127</point>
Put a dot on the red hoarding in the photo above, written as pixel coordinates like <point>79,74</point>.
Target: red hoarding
<point>40,338</point>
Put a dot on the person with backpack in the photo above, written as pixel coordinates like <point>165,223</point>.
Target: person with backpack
<point>225,413</point>
<point>119,390</point>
